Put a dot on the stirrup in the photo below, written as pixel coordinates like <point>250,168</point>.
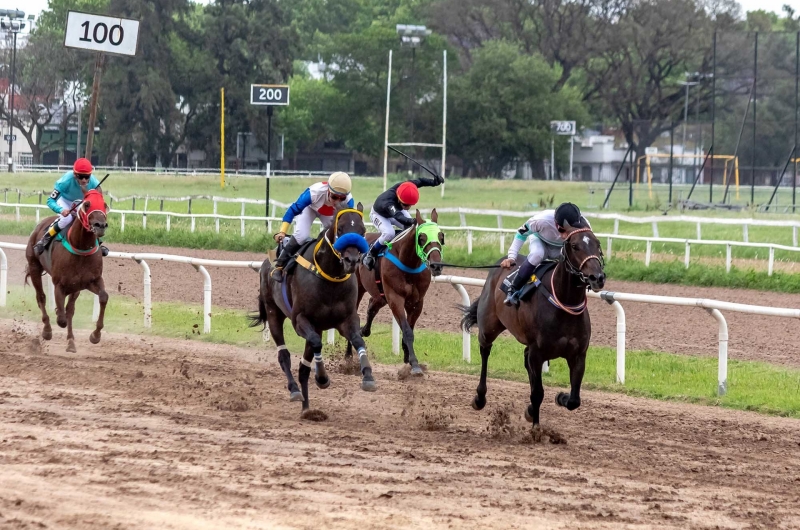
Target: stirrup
<point>369,262</point>
<point>104,250</point>
<point>512,299</point>
<point>277,274</point>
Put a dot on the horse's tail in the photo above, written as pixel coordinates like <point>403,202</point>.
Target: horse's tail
<point>258,318</point>
<point>470,317</point>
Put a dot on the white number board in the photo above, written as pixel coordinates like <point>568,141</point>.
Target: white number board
<point>101,34</point>
<point>566,128</point>
<point>651,150</point>
<point>269,94</point>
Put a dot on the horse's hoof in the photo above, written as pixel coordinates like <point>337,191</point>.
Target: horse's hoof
<point>536,433</point>
<point>416,371</point>
<point>369,386</point>
<point>94,338</point>
<point>61,323</point>
<point>71,347</point>
<point>47,335</point>
<point>365,332</point>
<point>528,414</point>
<point>323,383</point>
<point>296,396</point>
<point>478,403</point>
<point>561,399</point>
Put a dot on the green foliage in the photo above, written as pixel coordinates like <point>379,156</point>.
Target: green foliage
<point>503,105</point>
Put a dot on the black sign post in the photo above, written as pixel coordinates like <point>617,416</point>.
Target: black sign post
<point>269,95</point>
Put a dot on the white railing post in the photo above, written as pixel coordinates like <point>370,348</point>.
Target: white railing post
<point>331,336</point>
<point>616,226</point>
<point>17,210</point>
<point>465,338</point>
<point>620,342</point>
<point>216,221</point>
<point>206,298</point>
<point>168,222</point>
<point>699,233</point>
<point>686,258</point>
<point>122,222</point>
<point>745,235</point>
<point>608,248</point>
<point>647,254</point>
<point>655,229</point>
<point>469,241</point>
<point>728,257</point>
<point>269,223</point>
<point>771,264</point>
<point>502,234</point>
<point>96,308</point>
<point>395,337</point>
<point>722,368</point>
<point>51,293</point>
<point>144,212</point>
<point>193,223</point>
<point>3,277</point>
<point>146,293</point>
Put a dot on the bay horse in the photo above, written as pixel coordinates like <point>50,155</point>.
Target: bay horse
<point>74,263</point>
<point>401,279</point>
<point>321,293</point>
<point>553,322</point>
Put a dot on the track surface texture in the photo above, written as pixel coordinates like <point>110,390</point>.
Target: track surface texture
<point>690,331</point>
<point>140,432</point>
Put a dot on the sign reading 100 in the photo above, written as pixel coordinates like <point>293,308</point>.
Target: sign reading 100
<point>269,94</point>
<point>101,33</point>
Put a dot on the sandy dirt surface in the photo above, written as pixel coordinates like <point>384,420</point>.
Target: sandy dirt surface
<point>649,327</point>
<point>141,432</point>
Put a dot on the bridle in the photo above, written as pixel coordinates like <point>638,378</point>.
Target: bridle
<point>571,268</point>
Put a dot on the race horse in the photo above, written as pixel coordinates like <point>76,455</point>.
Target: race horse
<point>320,293</point>
<point>74,263</point>
<point>552,323</point>
<point>401,278</point>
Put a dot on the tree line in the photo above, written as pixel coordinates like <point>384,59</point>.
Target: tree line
<point>514,66</point>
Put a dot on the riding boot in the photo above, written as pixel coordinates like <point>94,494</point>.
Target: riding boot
<point>287,251</point>
<point>523,276</point>
<point>372,256</point>
<point>48,236</point>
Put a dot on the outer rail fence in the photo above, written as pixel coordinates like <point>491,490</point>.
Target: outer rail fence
<point>714,307</point>
<point>470,232</point>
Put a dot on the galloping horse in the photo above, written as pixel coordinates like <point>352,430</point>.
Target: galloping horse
<point>74,263</point>
<point>323,296</point>
<point>401,279</point>
<point>550,324</point>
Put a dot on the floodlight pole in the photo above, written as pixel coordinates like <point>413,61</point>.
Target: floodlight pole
<point>444,117</point>
<point>796,116</point>
<point>386,131</point>
<point>11,110</point>
<point>269,158</point>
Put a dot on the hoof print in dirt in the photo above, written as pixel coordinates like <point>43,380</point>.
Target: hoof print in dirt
<point>406,372</point>
<point>313,415</point>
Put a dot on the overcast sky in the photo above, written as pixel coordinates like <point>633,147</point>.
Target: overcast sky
<point>36,6</point>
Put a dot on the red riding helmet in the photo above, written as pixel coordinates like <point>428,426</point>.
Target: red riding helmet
<point>82,166</point>
<point>408,193</point>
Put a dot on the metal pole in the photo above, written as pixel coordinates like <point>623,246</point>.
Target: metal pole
<point>796,115</point>
<point>222,138</point>
<point>571,145</point>
<point>736,149</point>
<point>616,177</point>
<point>630,179</point>
<point>78,143</point>
<point>269,157</point>
<point>714,104</point>
<point>413,91</point>
<point>98,69</point>
<point>553,158</point>
<point>685,118</point>
<point>755,121</point>
<point>444,115</point>
<point>386,131</point>
<point>11,118</point>
<point>671,144</point>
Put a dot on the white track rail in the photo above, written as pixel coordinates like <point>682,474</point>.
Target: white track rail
<point>713,307</point>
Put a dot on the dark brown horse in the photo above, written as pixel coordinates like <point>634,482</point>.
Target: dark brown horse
<point>405,274</point>
<point>320,294</point>
<point>553,323</point>
<point>72,270</point>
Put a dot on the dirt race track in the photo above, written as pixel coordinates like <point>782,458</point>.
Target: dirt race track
<point>684,330</point>
<point>149,433</point>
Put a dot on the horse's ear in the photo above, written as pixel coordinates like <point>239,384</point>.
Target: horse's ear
<point>360,207</point>
<point>105,206</point>
<point>434,216</point>
<point>87,205</point>
<point>420,220</point>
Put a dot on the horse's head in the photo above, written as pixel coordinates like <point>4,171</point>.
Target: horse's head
<point>429,242</point>
<point>583,257</point>
<point>348,235</point>
<point>92,213</point>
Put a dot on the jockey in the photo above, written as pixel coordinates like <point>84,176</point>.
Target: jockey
<point>317,201</point>
<point>69,188</point>
<point>390,210</point>
<point>546,232</point>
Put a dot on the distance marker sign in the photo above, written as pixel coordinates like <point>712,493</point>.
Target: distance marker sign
<point>102,34</point>
<point>269,94</point>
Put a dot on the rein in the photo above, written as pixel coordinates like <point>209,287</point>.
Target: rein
<point>428,228</point>
<point>316,268</point>
<point>574,271</point>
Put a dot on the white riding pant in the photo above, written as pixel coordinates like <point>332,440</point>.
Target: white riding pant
<point>538,251</point>
<point>386,226</point>
<point>64,222</point>
<point>302,226</point>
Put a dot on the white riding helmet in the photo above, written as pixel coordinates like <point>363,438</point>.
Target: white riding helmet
<point>339,182</point>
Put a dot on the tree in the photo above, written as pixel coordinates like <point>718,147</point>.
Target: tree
<point>47,88</point>
<point>502,107</point>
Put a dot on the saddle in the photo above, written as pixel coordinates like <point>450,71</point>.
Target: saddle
<point>292,263</point>
<point>532,283</point>
<point>378,281</point>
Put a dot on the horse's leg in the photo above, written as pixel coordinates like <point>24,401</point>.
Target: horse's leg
<point>413,310</point>
<point>486,337</point>
<point>577,365</point>
<point>397,305</point>
<point>313,352</point>
<point>275,320</point>
<point>70,312</point>
<point>375,305</point>
<point>61,317</point>
<point>533,364</point>
<point>350,330</point>
<point>98,287</point>
<point>41,300</point>
<point>348,354</point>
